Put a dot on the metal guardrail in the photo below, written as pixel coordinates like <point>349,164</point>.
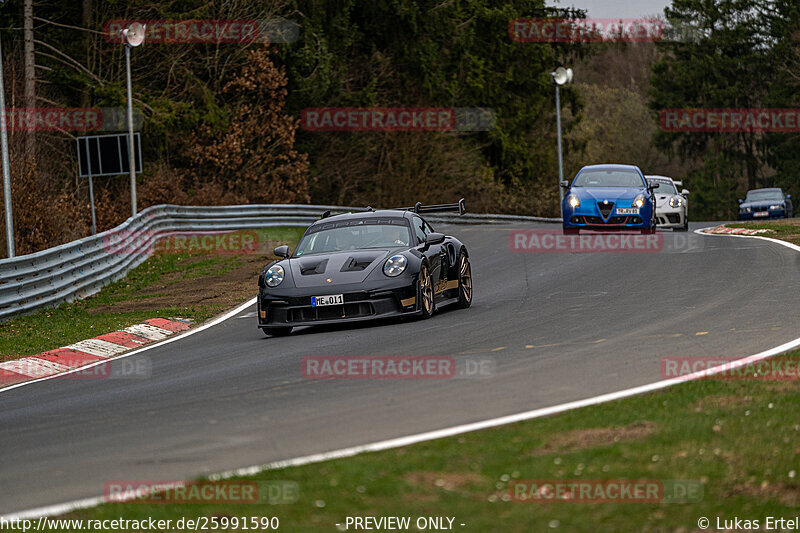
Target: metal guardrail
<point>81,268</point>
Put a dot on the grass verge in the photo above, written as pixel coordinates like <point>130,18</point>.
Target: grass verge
<point>737,439</point>
<point>784,229</point>
<point>196,284</point>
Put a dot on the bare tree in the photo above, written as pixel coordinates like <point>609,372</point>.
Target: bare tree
<point>30,73</point>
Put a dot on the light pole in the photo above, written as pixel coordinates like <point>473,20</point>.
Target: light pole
<point>133,36</point>
<point>561,76</point>
<point>6,172</point>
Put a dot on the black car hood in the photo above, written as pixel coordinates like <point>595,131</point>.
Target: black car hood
<point>352,266</point>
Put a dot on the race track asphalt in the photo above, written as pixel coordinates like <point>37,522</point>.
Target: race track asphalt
<point>555,327</point>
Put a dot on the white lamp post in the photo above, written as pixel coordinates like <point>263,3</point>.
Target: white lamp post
<point>561,76</point>
<point>132,36</point>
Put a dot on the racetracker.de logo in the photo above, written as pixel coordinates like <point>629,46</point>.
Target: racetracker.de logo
<point>378,367</point>
<point>208,31</point>
<point>562,30</point>
<point>605,491</point>
<point>554,241</point>
<point>779,368</point>
<point>70,119</point>
<point>159,242</point>
<point>730,120</point>
<point>201,492</point>
<point>397,119</point>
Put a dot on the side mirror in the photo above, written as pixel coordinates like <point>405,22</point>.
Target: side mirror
<point>685,192</point>
<point>565,184</point>
<point>434,238</point>
<point>653,186</point>
<point>281,251</point>
<point>740,201</point>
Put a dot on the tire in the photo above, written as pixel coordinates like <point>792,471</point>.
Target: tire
<point>464,281</point>
<point>277,332</point>
<point>426,303</point>
<point>685,226</point>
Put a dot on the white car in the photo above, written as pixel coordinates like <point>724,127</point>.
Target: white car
<point>672,207</point>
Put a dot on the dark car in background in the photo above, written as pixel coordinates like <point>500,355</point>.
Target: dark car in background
<point>766,203</point>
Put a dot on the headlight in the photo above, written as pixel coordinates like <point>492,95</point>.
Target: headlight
<point>675,201</point>
<point>274,275</point>
<point>773,207</point>
<point>745,210</point>
<point>395,265</point>
<point>573,201</point>
<point>638,201</point>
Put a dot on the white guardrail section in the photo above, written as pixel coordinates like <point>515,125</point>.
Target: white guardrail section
<point>81,268</point>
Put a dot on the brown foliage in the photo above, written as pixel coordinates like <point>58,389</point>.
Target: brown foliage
<point>253,159</point>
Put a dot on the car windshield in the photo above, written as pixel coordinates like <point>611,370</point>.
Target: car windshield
<point>664,186</point>
<point>764,196</point>
<point>355,234</point>
<point>608,178</point>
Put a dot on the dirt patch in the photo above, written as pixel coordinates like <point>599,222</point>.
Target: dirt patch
<point>785,494</point>
<point>581,439</point>
<point>223,286</point>
<point>444,480</point>
<point>720,402</point>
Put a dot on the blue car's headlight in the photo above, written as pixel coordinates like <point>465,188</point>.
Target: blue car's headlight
<point>573,201</point>
<point>744,210</point>
<point>395,265</point>
<point>638,201</point>
<point>774,207</point>
<point>274,275</point>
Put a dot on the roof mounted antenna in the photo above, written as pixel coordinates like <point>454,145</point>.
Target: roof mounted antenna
<point>417,207</point>
<point>326,214</point>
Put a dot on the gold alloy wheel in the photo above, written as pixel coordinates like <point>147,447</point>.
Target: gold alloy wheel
<point>426,288</point>
<point>465,278</point>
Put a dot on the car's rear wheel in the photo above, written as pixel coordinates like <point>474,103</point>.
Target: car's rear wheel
<point>426,291</point>
<point>464,281</point>
<point>277,332</point>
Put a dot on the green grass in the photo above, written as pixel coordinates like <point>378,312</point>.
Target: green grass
<point>55,327</point>
<point>738,438</point>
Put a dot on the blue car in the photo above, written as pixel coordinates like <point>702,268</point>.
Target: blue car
<point>609,197</point>
<point>762,204</point>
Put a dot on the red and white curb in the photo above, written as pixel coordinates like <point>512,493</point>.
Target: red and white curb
<point>89,351</point>
<point>724,230</point>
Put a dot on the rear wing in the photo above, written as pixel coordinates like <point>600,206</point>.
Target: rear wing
<point>438,208</point>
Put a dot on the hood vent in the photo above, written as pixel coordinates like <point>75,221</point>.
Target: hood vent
<point>356,264</point>
<point>308,268</point>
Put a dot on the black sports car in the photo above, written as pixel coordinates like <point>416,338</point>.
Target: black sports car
<point>362,266</point>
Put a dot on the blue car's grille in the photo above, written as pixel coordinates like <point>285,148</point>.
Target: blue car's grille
<point>605,208</point>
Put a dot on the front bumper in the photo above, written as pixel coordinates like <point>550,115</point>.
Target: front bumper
<point>293,307</point>
<point>775,213</point>
<point>670,217</point>
<point>613,223</point>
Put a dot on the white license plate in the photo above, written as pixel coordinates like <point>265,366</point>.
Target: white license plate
<point>320,301</point>
<point>628,211</point>
<point>761,214</point>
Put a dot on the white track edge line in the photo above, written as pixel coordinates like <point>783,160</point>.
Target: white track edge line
<point>136,351</point>
<point>440,433</point>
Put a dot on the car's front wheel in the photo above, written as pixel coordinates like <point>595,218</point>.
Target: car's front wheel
<point>277,332</point>
<point>464,281</point>
<point>426,291</point>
